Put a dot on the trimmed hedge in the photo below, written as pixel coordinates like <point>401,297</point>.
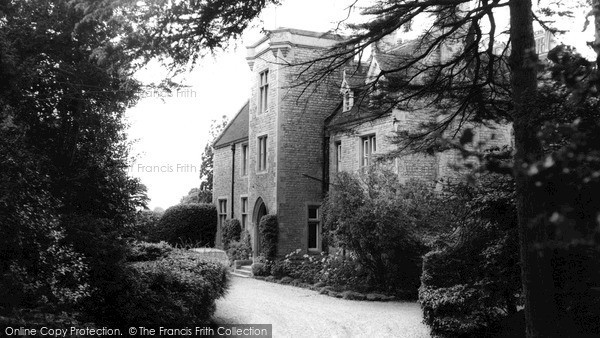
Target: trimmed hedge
<point>176,290</point>
<point>269,232</point>
<point>232,230</point>
<point>194,224</point>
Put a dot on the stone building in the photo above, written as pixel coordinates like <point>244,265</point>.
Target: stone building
<point>279,153</point>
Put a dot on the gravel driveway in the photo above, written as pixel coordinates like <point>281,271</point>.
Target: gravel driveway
<point>296,312</point>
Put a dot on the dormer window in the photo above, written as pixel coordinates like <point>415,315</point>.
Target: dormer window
<point>348,99</point>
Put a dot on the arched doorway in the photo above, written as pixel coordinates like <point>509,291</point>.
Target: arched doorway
<point>260,210</point>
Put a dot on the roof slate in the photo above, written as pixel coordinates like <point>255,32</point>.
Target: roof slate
<point>236,130</point>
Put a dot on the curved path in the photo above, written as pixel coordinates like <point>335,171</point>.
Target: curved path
<point>297,312</point>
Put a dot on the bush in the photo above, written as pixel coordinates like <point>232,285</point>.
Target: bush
<point>470,284</point>
<point>269,232</point>
<point>260,269</point>
<point>188,223</point>
<point>232,231</point>
<point>344,272</point>
<point>241,249</point>
<point>144,226</point>
<point>176,290</point>
<point>144,251</point>
<point>385,224</point>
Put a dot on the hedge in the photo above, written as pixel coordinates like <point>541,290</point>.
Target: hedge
<point>176,290</point>
<point>194,224</point>
<point>269,232</point>
<point>144,251</point>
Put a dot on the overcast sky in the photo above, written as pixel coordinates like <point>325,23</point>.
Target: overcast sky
<point>170,133</point>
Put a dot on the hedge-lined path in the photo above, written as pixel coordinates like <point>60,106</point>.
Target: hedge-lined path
<point>297,312</point>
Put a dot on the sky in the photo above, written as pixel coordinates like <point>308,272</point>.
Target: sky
<point>169,133</point>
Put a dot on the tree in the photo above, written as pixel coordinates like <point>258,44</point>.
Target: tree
<point>180,32</point>
<point>206,168</point>
<point>474,83</point>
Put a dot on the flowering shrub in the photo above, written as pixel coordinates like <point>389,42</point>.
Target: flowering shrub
<point>335,270</point>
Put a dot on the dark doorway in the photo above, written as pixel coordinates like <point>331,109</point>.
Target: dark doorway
<point>260,210</point>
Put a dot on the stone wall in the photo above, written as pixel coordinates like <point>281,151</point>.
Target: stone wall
<point>303,111</point>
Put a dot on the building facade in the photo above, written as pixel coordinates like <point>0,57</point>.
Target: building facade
<point>279,153</point>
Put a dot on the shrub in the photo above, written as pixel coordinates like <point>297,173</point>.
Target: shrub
<point>269,232</point>
<point>385,224</point>
<point>241,249</point>
<point>176,290</point>
<point>105,252</point>
<point>144,251</point>
<point>144,226</point>
<point>232,231</point>
<point>185,223</point>
<point>260,269</point>
<point>344,272</point>
<point>472,282</point>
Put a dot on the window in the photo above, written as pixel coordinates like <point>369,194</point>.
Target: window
<point>262,153</point>
<point>367,149</point>
<point>263,98</point>
<point>540,45</point>
<point>222,211</point>
<point>244,213</point>
<point>314,228</point>
<point>348,99</point>
<point>244,159</point>
<point>338,156</point>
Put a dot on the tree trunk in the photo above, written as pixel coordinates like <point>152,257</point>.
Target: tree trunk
<point>536,273</point>
<point>596,43</point>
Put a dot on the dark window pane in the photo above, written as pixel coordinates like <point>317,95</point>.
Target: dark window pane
<point>312,235</point>
<point>312,212</point>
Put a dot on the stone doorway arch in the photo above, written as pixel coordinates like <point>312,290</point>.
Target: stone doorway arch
<point>260,210</point>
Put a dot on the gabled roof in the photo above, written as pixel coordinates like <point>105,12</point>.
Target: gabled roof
<point>236,130</point>
<point>355,74</point>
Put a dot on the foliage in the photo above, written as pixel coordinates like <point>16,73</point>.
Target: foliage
<point>207,165</point>
<point>37,267</point>
<point>195,195</point>
<point>186,223</point>
<point>306,268</point>
<point>181,33</point>
<point>61,113</point>
<point>260,269</point>
<point>143,226</point>
<point>176,290</point>
<point>269,232</point>
<point>385,224</point>
<point>232,231</point>
<point>144,251</point>
<point>472,280</point>
<point>105,252</point>
<point>488,73</point>
<point>345,273</point>
<point>241,249</point>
